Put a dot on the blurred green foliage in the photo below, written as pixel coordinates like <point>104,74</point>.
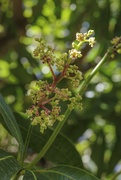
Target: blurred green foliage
<point>96,130</point>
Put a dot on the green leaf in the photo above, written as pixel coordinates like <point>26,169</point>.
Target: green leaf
<point>8,165</point>
<point>62,172</point>
<point>33,175</point>
<point>61,151</point>
<point>10,121</point>
<point>29,174</point>
<point>69,172</point>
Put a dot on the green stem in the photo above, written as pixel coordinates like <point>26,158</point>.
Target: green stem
<point>17,175</point>
<point>50,141</point>
<point>116,175</point>
<point>27,143</point>
<point>67,113</point>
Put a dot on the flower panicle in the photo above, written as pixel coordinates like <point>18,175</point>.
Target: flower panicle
<point>47,97</point>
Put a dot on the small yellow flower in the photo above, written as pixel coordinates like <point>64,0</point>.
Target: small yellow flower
<point>79,37</point>
<point>90,32</point>
<point>75,54</point>
<point>92,41</point>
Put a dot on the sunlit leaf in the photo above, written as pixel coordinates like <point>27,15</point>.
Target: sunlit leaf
<point>10,121</point>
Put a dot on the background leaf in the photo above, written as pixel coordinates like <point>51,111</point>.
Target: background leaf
<point>60,172</point>
<point>8,165</point>
<point>10,122</point>
<point>61,151</point>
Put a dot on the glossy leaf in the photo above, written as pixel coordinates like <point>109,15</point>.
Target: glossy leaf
<point>8,165</point>
<point>10,121</point>
<point>61,172</point>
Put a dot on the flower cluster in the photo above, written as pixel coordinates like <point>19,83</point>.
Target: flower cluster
<point>74,54</point>
<point>81,38</point>
<point>44,52</point>
<point>117,44</point>
<point>46,108</point>
<point>47,97</point>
